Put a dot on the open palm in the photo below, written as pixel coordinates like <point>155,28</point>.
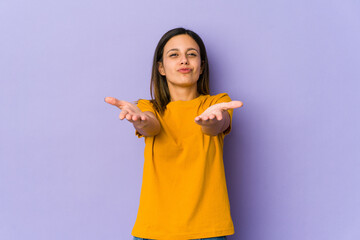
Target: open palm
<point>214,113</point>
<point>129,111</point>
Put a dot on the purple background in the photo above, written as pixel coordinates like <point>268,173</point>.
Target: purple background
<point>70,169</point>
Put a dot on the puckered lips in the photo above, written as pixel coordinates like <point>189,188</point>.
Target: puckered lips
<point>184,70</point>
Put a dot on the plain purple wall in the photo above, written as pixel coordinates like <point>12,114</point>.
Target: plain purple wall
<point>70,169</point>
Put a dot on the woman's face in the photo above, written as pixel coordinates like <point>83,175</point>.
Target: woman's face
<point>181,62</point>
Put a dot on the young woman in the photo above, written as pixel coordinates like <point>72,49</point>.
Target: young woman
<point>183,194</point>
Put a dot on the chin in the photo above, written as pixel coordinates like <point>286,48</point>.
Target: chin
<point>183,83</point>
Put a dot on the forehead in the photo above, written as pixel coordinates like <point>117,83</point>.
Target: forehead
<point>182,41</point>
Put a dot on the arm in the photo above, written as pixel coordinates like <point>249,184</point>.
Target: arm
<point>145,123</point>
<point>148,127</point>
<point>216,118</point>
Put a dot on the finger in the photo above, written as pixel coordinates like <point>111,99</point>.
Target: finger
<point>115,102</point>
<point>199,118</point>
<point>211,116</point>
<point>144,116</point>
<point>219,116</point>
<point>123,114</point>
<point>111,100</point>
<point>129,116</point>
<point>137,117</point>
<point>200,121</point>
<point>205,123</point>
<point>204,118</point>
<point>138,121</point>
<point>232,105</point>
<point>212,121</point>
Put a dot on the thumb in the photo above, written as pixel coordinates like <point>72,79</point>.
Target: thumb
<point>232,105</point>
<point>115,102</point>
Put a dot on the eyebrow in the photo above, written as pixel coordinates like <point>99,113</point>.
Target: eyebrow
<point>176,49</point>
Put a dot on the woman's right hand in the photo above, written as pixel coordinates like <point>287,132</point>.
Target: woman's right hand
<point>129,111</point>
<point>145,123</point>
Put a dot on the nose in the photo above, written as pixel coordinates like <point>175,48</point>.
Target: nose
<point>184,59</point>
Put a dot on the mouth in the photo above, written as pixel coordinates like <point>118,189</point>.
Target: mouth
<point>184,70</point>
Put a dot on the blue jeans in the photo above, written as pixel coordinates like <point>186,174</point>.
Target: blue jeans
<point>213,238</point>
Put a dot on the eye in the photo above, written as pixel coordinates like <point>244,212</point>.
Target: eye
<point>174,54</point>
<point>192,54</point>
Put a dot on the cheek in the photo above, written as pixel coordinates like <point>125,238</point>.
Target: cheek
<point>198,64</point>
<point>198,69</point>
<point>168,66</point>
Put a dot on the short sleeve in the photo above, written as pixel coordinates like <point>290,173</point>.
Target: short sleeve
<point>224,97</point>
<point>145,106</point>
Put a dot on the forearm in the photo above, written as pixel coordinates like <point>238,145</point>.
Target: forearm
<point>218,126</point>
<point>148,128</point>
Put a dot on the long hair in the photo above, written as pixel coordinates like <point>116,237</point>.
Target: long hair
<point>159,90</point>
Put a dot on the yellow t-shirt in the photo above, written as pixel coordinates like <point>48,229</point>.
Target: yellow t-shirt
<point>184,193</point>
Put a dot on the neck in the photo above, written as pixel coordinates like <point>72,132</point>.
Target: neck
<point>183,94</point>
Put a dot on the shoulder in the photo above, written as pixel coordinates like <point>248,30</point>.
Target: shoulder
<point>214,99</point>
<point>145,105</point>
<point>143,101</point>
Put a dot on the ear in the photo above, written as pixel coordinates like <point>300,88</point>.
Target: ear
<point>161,68</point>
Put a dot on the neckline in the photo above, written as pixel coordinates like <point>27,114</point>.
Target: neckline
<point>187,102</point>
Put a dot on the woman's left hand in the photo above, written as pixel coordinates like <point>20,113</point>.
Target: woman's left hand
<point>214,113</point>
